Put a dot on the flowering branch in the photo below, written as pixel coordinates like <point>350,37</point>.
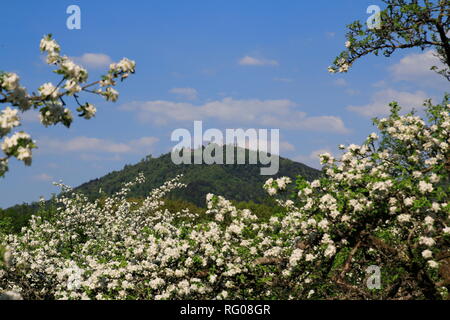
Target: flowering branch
<point>50,100</point>
<point>403,24</point>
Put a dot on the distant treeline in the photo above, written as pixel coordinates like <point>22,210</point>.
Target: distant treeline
<point>13,219</point>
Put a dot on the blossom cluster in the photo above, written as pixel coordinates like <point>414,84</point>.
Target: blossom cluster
<point>342,66</point>
<point>398,187</point>
<point>50,99</point>
<point>272,186</point>
<point>112,249</point>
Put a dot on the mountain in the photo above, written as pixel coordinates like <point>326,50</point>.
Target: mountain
<point>241,182</point>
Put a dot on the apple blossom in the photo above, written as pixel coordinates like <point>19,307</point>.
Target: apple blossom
<point>50,101</point>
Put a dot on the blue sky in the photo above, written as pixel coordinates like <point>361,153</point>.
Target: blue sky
<point>231,64</point>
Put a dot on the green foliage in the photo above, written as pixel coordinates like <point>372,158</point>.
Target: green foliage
<point>2,255</point>
<point>264,211</point>
<point>234,182</point>
<point>13,219</point>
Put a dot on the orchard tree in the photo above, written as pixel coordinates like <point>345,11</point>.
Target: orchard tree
<point>50,100</point>
<point>383,204</point>
<point>407,232</point>
<point>402,24</point>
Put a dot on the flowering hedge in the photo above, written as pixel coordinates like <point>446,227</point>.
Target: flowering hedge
<point>382,203</point>
<point>50,100</point>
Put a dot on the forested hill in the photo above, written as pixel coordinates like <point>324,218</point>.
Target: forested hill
<point>242,183</point>
<point>235,182</point>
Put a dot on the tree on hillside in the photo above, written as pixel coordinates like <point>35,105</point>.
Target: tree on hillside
<point>50,99</point>
<point>402,24</point>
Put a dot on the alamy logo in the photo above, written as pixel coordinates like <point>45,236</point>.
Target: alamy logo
<point>260,145</point>
<point>374,21</point>
<point>74,20</point>
<point>374,280</point>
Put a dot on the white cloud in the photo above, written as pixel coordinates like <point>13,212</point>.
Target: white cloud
<point>352,92</point>
<point>267,113</point>
<point>282,146</point>
<point>312,159</point>
<point>259,144</point>
<point>187,93</point>
<point>340,82</point>
<point>252,61</point>
<point>95,145</point>
<point>300,121</point>
<point>91,144</point>
<point>93,60</point>
<point>286,146</point>
<point>95,157</point>
<point>43,177</point>
<point>209,71</point>
<point>379,84</point>
<point>416,67</point>
<point>285,80</point>
<point>381,99</point>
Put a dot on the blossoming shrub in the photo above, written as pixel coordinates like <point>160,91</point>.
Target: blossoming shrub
<point>112,249</point>
<point>382,203</point>
<point>50,100</point>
